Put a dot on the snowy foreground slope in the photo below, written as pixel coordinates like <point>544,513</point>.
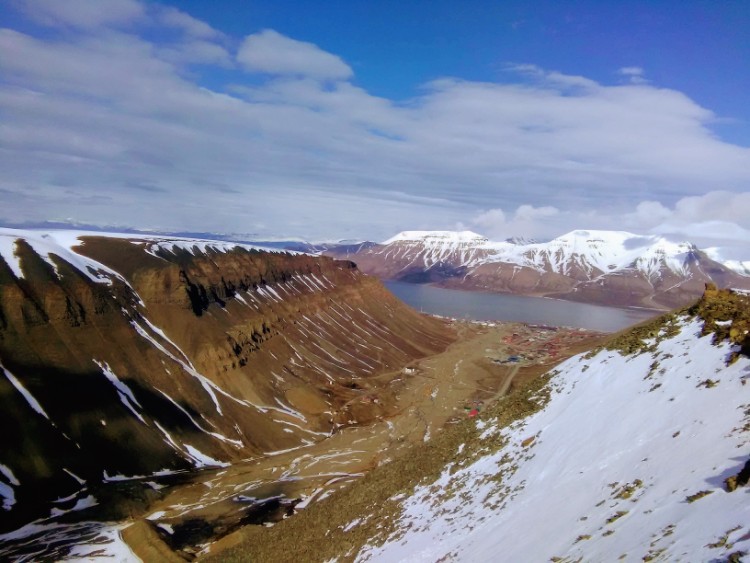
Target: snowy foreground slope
<point>627,460</point>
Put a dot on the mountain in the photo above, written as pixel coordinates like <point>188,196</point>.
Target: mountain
<point>128,355</point>
<point>636,451</point>
<point>602,267</point>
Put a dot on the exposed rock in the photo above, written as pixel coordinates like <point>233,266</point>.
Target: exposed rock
<point>740,480</point>
<point>181,357</point>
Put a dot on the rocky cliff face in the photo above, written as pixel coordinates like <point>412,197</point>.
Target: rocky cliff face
<point>135,356</point>
<point>602,267</point>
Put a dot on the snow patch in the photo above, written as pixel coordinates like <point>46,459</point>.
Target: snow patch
<point>33,403</point>
<point>626,457</point>
<point>202,460</point>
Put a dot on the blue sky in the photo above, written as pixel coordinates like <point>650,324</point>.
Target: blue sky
<point>326,120</point>
<point>700,48</point>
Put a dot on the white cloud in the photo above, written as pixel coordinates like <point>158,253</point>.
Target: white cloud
<point>527,221</point>
<point>631,71</point>
<point>270,52</point>
<point>112,127</point>
<point>173,17</point>
<point>82,13</point>
<point>490,220</point>
<point>634,74</point>
<point>547,77</point>
<point>531,213</point>
<point>196,51</point>
<point>649,213</point>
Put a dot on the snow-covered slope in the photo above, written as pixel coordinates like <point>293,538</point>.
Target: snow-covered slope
<point>428,248</point>
<point>607,267</point>
<point>742,267</point>
<point>626,461</point>
<point>596,252</point>
<point>591,252</point>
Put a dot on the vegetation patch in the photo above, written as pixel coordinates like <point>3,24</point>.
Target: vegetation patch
<point>698,495</point>
<point>726,315</point>
<point>653,554</point>
<point>616,516</point>
<point>723,541</point>
<point>627,490</point>
<point>646,336</point>
<point>740,479</point>
<point>318,530</point>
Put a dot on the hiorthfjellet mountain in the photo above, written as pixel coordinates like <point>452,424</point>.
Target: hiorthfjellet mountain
<point>125,359</point>
<point>614,268</point>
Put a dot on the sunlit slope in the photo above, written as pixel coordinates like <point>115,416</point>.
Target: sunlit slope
<point>125,356</point>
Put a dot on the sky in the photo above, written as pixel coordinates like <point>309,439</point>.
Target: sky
<point>356,120</point>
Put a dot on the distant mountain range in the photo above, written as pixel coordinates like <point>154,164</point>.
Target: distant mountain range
<point>604,267</point>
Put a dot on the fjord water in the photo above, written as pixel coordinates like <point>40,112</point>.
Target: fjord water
<point>502,307</point>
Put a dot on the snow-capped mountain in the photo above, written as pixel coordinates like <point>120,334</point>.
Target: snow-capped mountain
<point>607,267</point>
<point>634,454</point>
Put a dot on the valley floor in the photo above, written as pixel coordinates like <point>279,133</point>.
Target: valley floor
<point>483,365</point>
<point>212,511</point>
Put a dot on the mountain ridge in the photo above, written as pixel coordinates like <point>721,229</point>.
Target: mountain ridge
<point>603,267</point>
<point>128,356</point>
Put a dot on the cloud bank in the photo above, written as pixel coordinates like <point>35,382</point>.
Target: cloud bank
<point>271,135</point>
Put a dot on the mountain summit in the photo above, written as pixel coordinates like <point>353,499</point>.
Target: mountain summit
<point>604,267</point>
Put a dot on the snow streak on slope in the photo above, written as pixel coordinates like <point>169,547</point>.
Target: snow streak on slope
<point>58,243</point>
<point>62,243</point>
<point>627,458</point>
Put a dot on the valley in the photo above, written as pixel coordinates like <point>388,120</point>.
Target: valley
<point>181,399</point>
<point>447,388</point>
<point>185,388</point>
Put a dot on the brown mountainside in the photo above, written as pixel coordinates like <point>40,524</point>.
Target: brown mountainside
<point>190,357</point>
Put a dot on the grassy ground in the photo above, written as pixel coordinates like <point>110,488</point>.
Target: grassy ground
<point>316,534</point>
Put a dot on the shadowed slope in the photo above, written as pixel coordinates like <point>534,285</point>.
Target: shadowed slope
<point>130,357</point>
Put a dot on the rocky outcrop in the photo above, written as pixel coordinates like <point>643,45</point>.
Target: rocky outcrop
<point>125,357</point>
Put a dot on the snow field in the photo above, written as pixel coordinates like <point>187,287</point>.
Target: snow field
<point>627,458</point>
